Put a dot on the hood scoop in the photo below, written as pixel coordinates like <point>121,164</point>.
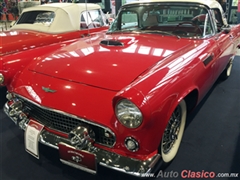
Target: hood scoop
<point>111,43</point>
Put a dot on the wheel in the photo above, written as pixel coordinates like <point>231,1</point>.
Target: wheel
<point>173,133</point>
<point>227,72</point>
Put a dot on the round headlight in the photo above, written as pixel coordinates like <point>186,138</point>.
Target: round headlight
<point>1,78</point>
<point>128,114</point>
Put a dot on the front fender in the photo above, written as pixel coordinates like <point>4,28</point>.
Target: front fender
<point>11,66</point>
<point>162,88</point>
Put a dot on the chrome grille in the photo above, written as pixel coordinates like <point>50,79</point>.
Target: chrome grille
<point>64,123</point>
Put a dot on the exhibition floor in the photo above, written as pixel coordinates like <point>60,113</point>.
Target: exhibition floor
<point>211,143</point>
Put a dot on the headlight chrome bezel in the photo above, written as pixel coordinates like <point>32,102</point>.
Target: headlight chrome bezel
<point>128,114</point>
<point>131,144</point>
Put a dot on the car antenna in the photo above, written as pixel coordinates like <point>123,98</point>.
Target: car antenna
<point>87,18</point>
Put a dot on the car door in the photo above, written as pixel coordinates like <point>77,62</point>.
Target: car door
<point>212,51</point>
<point>226,45</point>
<point>209,58</point>
<point>225,42</point>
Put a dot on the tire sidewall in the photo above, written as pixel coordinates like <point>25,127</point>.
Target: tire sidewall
<point>168,157</point>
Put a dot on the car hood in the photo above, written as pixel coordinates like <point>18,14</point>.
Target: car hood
<point>19,40</point>
<point>110,62</point>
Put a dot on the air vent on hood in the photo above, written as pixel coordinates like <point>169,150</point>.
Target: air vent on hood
<point>111,43</point>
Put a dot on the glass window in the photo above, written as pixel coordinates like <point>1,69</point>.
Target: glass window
<point>233,16</point>
<point>208,28</point>
<point>91,19</point>
<point>175,19</point>
<point>218,17</point>
<point>235,3</point>
<point>129,20</point>
<point>43,17</point>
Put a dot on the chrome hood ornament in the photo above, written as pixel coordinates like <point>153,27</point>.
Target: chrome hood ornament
<point>46,89</point>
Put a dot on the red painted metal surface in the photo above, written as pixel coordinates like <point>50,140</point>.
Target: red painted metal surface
<point>19,48</point>
<point>21,40</point>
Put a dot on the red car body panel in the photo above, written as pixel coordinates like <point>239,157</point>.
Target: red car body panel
<point>86,62</point>
<point>21,40</point>
<point>19,48</point>
<point>11,64</point>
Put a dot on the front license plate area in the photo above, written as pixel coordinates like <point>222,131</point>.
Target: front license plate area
<point>77,158</point>
<point>31,137</point>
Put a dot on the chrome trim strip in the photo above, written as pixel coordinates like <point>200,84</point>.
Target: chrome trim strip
<point>51,140</point>
<point>78,167</point>
<point>72,116</point>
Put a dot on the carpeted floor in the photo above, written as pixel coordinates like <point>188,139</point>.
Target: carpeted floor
<point>211,143</point>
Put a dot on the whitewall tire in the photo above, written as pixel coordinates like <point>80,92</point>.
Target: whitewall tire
<point>173,133</point>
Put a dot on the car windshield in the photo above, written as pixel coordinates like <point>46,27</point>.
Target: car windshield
<point>179,20</point>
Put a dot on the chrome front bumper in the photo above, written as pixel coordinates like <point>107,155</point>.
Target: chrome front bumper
<point>104,158</point>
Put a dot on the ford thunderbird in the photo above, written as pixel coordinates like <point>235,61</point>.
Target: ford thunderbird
<point>120,99</point>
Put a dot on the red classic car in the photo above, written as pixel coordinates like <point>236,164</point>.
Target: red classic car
<point>121,99</point>
<point>46,25</point>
